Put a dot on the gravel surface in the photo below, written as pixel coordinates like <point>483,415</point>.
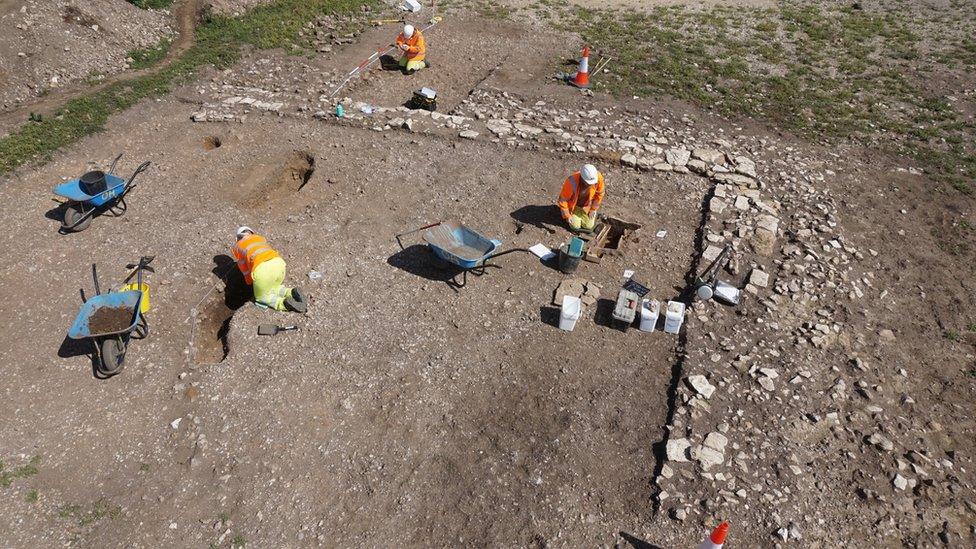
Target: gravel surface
<point>829,408</point>
<point>47,44</point>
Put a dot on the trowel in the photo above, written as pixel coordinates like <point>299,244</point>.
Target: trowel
<point>271,329</point>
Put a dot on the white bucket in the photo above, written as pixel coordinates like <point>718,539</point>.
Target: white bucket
<point>674,316</point>
<point>650,310</point>
<point>570,313</point>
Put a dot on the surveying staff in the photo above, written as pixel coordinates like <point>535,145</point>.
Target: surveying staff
<point>413,49</point>
<point>264,269</point>
<point>581,197</point>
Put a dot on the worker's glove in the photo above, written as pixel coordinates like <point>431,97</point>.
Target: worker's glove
<point>574,223</point>
<point>592,216</point>
<point>404,47</point>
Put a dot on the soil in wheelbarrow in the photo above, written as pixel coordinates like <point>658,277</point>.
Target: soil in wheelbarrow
<point>110,319</point>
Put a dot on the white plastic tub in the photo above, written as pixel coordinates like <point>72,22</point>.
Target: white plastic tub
<point>650,310</point>
<point>570,313</point>
<point>674,316</point>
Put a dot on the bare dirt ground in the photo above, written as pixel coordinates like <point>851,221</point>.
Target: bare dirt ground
<point>73,80</point>
<point>836,407</point>
<point>45,46</point>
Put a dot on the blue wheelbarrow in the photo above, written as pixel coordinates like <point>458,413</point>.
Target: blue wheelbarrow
<point>461,248</point>
<point>92,193</point>
<point>112,319</point>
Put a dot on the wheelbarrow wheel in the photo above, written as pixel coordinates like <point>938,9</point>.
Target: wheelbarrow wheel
<point>73,214</point>
<point>112,353</point>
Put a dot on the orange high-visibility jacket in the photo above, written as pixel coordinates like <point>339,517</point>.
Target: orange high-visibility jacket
<point>571,196</point>
<point>417,49</point>
<point>251,252</point>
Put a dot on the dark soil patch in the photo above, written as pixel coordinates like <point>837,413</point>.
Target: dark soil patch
<point>74,15</point>
<point>211,339</point>
<point>109,320</point>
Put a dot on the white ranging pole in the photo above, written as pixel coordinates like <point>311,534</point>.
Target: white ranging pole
<point>372,59</point>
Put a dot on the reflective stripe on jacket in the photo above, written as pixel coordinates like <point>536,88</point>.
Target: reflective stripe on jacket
<point>571,198</point>
<point>417,46</point>
<point>251,252</point>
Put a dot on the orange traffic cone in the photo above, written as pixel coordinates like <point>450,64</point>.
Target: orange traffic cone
<point>717,539</point>
<point>582,78</point>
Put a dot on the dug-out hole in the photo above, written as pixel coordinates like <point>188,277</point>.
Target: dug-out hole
<point>272,180</point>
<point>212,142</point>
<point>210,342</point>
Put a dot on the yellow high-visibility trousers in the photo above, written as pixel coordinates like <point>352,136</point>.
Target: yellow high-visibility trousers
<point>268,277</point>
<point>411,65</point>
<point>579,219</point>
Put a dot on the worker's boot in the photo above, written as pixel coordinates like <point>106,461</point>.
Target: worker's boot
<point>296,301</point>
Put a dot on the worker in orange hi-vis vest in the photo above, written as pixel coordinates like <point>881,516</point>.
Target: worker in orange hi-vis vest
<point>264,269</point>
<point>413,49</point>
<point>581,197</point>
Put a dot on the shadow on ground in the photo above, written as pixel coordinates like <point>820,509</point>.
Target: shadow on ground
<point>543,217</point>
<point>638,543</point>
<point>236,290</point>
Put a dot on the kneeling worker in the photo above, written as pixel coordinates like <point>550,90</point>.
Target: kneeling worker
<point>264,269</point>
<point>581,197</point>
<point>413,49</point>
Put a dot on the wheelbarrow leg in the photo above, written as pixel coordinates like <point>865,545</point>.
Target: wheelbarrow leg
<point>141,331</point>
<point>119,206</point>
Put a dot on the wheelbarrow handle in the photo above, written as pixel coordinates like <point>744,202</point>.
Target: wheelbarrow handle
<point>142,167</point>
<point>98,291</point>
<point>114,162</point>
<point>415,231</point>
<point>129,185</point>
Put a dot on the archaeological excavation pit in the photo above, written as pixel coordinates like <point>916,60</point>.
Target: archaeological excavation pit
<point>210,333</point>
<point>275,179</point>
<point>212,142</point>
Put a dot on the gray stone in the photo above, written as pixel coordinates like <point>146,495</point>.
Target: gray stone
<point>701,385</point>
<point>527,129</point>
<point>499,127</point>
<point>768,222</point>
<point>745,166</point>
<point>708,156</point>
<point>698,166</point>
<point>468,134</point>
<point>759,278</point>
<point>716,441</point>
<point>707,456</point>
<point>677,157</point>
<point>899,482</point>
<point>629,159</point>
<point>677,449</point>
<point>711,253</point>
<point>881,442</point>
<point>741,203</point>
<point>734,179</point>
<point>716,205</point>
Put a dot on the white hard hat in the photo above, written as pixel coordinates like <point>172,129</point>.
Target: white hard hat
<point>242,229</point>
<point>408,30</point>
<point>589,174</point>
